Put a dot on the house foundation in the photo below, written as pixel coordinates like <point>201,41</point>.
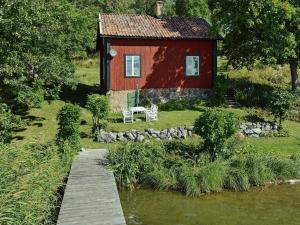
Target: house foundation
<point>119,101</point>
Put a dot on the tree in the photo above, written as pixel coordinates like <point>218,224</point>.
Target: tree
<point>281,103</point>
<point>38,39</point>
<point>99,107</point>
<point>260,30</point>
<point>192,8</point>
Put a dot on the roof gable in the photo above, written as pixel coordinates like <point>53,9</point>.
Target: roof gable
<point>145,26</point>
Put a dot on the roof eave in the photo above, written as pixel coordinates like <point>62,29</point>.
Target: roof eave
<point>218,37</point>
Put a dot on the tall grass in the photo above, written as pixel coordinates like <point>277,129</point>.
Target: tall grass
<point>172,166</point>
<point>29,180</point>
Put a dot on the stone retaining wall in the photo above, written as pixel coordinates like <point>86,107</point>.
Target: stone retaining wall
<point>118,99</point>
<point>141,136</point>
<point>257,129</point>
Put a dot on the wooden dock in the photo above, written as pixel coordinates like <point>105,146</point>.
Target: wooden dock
<point>91,196</point>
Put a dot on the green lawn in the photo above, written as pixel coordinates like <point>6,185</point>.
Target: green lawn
<point>43,126</point>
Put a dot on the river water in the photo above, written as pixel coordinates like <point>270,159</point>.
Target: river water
<point>278,205</point>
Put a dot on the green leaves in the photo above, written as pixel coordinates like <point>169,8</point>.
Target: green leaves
<point>263,30</point>
<point>281,103</point>
<point>8,123</point>
<point>216,127</point>
<point>69,123</point>
<point>99,107</point>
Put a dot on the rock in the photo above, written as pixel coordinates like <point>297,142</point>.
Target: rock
<point>190,133</point>
<point>172,130</point>
<point>130,136</point>
<point>140,138</point>
<point>240,135</point>
<point>112,136</point>
<point>189,128</point>
<point>184,134</point>
<point>257,130</point>
<point>162,135</point>
<point>157,139</point>
<point>248,131</point>
<point>149,130</point>
<point>100,138</point>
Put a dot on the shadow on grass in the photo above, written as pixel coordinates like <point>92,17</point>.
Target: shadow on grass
<point>79,94</point>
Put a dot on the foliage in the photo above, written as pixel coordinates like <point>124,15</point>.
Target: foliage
<point>192,8</point>
<point>216,127</point>
<point>8,123</point>
<point>69,123</point>
<point>254,87</point>
<point>182,104</point>
<point>255,31</point>
<point>37,42</point>
<point>99,107</point>
<point>166,166</point>
<point>30,177</point>
<point>221,85</point>
<point>280,104</point>
<point>130,161</point>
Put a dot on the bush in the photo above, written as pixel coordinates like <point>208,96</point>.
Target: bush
<point>221,85</point>
<point>99,107</point>
<point>182,104</point>
<point>69,123</point>
<point>30,177</point>
<point>8,123</point>
<point>281,103</point>
<point>216,127</point>
<point>154,165</point>
<point>131,161</point>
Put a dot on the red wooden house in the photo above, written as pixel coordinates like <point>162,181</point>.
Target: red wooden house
<point>163,57</point>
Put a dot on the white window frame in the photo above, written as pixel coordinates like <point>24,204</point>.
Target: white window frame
<point>186,61</point>
<point>132,66</point>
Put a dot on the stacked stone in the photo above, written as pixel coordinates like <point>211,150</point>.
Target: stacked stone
<point>257,129</point>
<point>139,136</point>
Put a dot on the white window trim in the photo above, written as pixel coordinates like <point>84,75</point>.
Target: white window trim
<point>192,75</point>
<point>132,66</point>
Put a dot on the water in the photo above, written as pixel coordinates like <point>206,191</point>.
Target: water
<point>279,205</point>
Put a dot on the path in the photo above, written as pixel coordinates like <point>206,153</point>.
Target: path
<point>91,196</point>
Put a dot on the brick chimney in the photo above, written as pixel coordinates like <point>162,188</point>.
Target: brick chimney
<point>158,9</point>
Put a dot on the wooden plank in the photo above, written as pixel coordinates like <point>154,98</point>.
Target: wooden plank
<point>91,196</point>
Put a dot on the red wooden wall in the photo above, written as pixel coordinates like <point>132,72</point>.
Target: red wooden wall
<point>162,63</point>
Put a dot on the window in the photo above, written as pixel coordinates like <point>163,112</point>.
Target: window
<point>133,66</point>
<point>192,63</point>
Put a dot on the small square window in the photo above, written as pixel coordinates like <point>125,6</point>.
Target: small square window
<point>133,65</point>
<point>192,65</point>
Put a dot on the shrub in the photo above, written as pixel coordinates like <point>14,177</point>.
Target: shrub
<point>131,161</point>
<point>216,127</point>
<point>99,107</point>
<point>210,177</point>
<point>8,123</point>
<point>280,104</point>
<point>182,104</point>
<point>237,179</point>
<point>221,84</point>
<point>69,123</point>
<point>152,165</point>
<point>29,179</point>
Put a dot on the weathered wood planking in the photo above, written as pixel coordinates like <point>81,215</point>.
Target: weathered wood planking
<point>91,196</point>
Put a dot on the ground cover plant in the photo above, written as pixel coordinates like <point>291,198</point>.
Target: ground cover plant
<point>187,168</point>
<point>30,178</point>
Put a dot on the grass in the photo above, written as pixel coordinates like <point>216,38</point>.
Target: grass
<point>42,126</point>
<point>165,167</point>
<point>30,179</point>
